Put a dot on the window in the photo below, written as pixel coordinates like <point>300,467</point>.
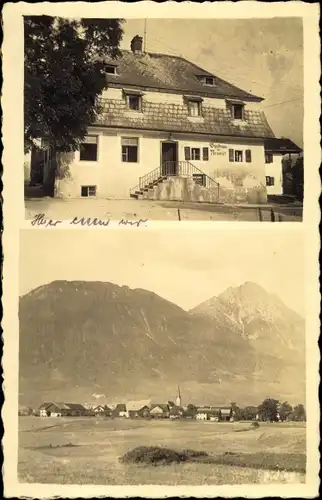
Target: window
<point>88,191</point>
<point>248,156</point>
<point>238,111</point>
<point>134,102</point>
<point>268,157</point>
<point>194,108</point>
<point>209,80</point>
<point>270,181</point>
<point>187,155</point>
<point>238,156</point>
<point>205,154</point>
<point>130,149</point>
<point>195,153</point>
<point>111,70</point>
<point>88,148</point>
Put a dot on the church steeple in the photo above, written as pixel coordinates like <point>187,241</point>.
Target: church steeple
<point>178,398</point>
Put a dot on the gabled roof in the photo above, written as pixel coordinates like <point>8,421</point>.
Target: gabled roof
<point>162,406</point>
<point>170,73</point>
<point>120,407</point>
<point>281,145</point>
<point>63,406</point>
<point>137,405</point>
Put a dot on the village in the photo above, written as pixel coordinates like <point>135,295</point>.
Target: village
<point>269,410</point>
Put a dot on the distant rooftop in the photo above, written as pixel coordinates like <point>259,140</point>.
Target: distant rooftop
<point>281,145</point>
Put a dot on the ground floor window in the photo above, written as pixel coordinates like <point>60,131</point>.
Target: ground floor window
<point>87,191</point>
<point>237,155</point>
<point>195,154</point>
<point>270,181</point>
<point>88,148</point>
<point>130,147</point>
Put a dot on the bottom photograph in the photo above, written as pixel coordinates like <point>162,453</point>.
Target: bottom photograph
<point>166,357</point>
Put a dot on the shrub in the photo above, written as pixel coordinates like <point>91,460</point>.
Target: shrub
<point>255,425</point>
<point>155,455</point>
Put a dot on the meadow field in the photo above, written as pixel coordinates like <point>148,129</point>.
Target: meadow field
<point>87,451</point>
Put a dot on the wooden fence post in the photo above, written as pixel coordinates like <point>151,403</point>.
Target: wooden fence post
<point>272,215</point>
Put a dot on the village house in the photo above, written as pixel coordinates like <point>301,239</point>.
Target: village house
<point>136,409</point>
<point>102,410</point>
<point>62,410</point>
<point>169,130</point>
<point>215,413</point>
<point>275,152</point>
<point>160,411</point>
<point>119,410</point>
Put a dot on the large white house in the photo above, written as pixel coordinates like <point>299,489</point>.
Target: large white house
<point>170,130</point>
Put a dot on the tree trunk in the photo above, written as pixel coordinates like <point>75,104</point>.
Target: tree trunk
<point>49,181</point>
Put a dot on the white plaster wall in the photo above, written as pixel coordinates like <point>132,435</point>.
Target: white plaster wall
<point>275,170</point>
<point>115,178</point>
<point>27,166</point>
<point>219,164</point>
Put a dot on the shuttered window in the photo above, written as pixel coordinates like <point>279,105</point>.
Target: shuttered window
<point>248,156</point>
<point>231,155</point>
<point>187,155</point>
<point>205,154</point>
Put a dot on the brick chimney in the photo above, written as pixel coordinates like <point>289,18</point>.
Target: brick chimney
<point>137,44</point>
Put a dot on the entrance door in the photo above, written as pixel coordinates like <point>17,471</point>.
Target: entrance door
<point>169,158</point>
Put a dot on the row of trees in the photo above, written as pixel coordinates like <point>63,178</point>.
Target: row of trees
<point>271,410</point>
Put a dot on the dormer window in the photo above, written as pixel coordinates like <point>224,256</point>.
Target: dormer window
<point>237,109</point>
<point>110,69</point>
<point>194,105</point>
<point>133,99</point>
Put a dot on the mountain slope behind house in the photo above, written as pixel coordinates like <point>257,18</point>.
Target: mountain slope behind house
<point>77,338</point>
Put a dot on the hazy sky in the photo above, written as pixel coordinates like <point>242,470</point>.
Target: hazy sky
<point>183,266</point>
<point>262,56</point>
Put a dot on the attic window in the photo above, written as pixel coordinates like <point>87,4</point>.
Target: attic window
<point>209,80</point>
<point>238,111</point>
<point>237,108</point>
<point>194,105</point>
<point>133,99</point>
<point>111,70</point>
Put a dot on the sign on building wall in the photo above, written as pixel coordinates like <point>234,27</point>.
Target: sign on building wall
<point>218,149</point>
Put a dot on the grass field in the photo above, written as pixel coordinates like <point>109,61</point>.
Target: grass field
<point>87,451</point>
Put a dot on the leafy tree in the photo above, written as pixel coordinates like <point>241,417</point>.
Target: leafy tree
<point>64,75</point>
<point>298,178</point>
<point>285,411</point>
<point>249,413</point>
<point>268,410</point>
<point>191,410</point>
<point>299,413</point>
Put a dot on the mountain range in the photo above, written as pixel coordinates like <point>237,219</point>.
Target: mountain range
<point>82,338</point>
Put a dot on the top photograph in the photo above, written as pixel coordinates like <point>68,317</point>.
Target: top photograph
<point>163,119</point>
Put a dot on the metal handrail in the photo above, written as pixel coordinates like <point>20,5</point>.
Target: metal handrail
<point>175,169</point>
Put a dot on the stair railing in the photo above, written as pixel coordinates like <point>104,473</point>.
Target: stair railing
<point>174,169</point>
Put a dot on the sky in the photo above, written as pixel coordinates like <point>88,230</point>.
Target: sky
<point>184,266</point>
<point>261,56</point>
